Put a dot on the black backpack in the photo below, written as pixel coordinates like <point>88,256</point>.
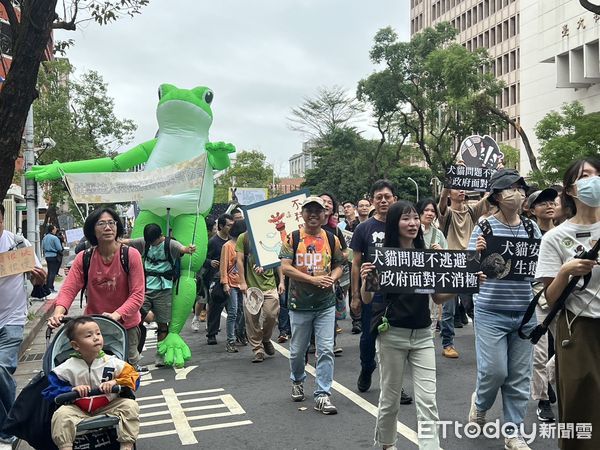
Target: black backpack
<point>87,258</point>
<point>486,228</point>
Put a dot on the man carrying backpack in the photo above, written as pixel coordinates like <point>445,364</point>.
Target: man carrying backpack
<point>312,259</point>
<point>160,255</point>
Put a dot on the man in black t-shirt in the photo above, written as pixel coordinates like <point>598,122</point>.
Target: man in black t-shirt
<point>211,264</point>
<point>370,233</point>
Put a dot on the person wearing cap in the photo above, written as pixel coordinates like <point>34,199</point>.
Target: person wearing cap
<point>268,284</point>
<point>457,219</point>
<point>313,267</point>
<point>503,358</point>
<point>541,205</point>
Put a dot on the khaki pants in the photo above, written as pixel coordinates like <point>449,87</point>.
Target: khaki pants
<point>259,327</point>
<point>133,340</point>
<point>66,418</point>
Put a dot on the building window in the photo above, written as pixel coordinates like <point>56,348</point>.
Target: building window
<point>513,26</point>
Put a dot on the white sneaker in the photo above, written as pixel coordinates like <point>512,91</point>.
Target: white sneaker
<point>476,416</point>
<point>195,325</point>
<point>515,443</point>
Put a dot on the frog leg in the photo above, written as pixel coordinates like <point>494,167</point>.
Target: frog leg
<point>173,347</point>
<point>143,219</point>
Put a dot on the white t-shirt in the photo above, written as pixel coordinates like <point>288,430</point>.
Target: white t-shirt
<point>13,290</point>
<point>559,246</point>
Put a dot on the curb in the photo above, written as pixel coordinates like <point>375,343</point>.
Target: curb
<point>33,326</point>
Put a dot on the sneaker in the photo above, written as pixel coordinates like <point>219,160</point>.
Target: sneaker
<point>195,325</point>
<point>159,360</point>
<point>211,340</point>
<point>405,399</point>
<point>337,351</point>
<point>203,315</point>
<point>241,340</point>
<point>476,416</point>
<point>458,323</point>
<point>450,352</point>
<point>269,348</point>
<point>282,338</point>
<point>544,411</point>
<point>141,369</point>
<point>338,330</point>
<point>231,348</point>
<point>364,380</point>
<point>515,443</point>
<point>323,404</point>
<point>297,391</point>
<point>258,357</point>
<point>356,328</point>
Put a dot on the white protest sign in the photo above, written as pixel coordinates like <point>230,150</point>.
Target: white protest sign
<point>17,261</point>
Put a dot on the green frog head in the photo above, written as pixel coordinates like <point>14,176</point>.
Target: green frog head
<point>184,110</point>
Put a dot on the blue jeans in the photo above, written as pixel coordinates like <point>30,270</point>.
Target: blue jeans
<point>447,324</point>
<point>234,324</point>
<point>284,316</point>
<point>504,361</point>
<point>303,324</point>
<point>11,337</point>
<point>367,341</point>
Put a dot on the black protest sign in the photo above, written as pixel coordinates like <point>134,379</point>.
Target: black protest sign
<point>424,271</point>
<point>468,178</point>
<point>510,258</point>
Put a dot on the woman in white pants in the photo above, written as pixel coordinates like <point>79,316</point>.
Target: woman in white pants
<point>403,323</point>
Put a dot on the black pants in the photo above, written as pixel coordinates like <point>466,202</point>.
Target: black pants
<point>213,320</point>
<point>53,266</point>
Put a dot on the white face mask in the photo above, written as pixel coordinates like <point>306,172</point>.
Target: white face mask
<point>512,198</point>
<point>588,191</point>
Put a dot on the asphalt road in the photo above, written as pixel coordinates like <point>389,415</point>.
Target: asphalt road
<point>222,401</point>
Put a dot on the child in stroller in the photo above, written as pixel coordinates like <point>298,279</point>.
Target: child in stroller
<point>91,378</point>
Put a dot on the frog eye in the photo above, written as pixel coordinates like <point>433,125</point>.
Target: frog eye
<point>208,97</point>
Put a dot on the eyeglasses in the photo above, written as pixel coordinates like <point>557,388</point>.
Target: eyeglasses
<point>388,198</point>
<point>103,223</point>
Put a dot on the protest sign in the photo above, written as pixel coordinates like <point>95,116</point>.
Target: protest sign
<point>247,196</point>
<point>510,258</point>
<point>481,151</point>
<point>468,178</point>
<point>74,235</point>
<point>422,271</point>
<point>269,224</point>
<point>17,261</point>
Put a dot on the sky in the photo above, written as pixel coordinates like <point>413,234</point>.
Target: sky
<point>261,58</point>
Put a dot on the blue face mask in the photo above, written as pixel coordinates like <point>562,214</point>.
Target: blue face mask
<point>588,191</point>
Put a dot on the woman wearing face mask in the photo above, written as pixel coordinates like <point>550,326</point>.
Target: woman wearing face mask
<point>504,360</point>
<point>578,326</point>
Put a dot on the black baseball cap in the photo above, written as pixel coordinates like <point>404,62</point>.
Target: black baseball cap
<point>504,179</point>
<point>546,195</point>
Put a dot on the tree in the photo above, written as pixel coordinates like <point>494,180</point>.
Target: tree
<point>330,110</point>
<point>565,136</point>
<point>30,36</point>
<point>432,85</point>
<point>250,169</point>
<point>78,115</point>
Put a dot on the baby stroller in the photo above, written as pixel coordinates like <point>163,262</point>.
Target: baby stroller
<point>30,416</point>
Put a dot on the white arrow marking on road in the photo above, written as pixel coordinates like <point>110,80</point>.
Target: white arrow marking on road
<point>183,372</point>
<point>354,398</point>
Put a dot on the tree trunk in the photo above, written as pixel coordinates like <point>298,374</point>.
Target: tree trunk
<point>521,131</point>
<point>18,90</point>
<point>590,6</point>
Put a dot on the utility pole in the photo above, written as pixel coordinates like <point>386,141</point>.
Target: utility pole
<point>33,229</point>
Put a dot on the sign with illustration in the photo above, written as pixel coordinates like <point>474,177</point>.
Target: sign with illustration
<point>247,196</point>
<point>481,151</point>
<point>424,271</point>
<point>269,223</point>
<point>510,258</point>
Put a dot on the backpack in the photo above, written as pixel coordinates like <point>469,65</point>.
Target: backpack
<point>87,258</point>
<point>295,243</point>
<point>486,228</point>
<point>449,219</point>
<point>173,273</point>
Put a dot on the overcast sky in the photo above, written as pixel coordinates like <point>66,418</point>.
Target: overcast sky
<point>260,57</point>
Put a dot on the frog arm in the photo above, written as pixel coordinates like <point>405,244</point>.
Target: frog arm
<point>218,154</point>
<point>137,155</point>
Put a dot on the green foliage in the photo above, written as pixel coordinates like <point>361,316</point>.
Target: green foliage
<point>511,156</point>
<point>434,88</point>
<point>78,115</point>
<point>250,170</point>
<point>564,137</point>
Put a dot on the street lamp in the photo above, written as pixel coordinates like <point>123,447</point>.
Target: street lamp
<point>416,186</point>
